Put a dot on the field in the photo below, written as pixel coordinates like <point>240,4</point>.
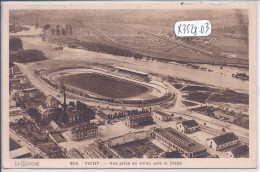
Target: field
<point>104,85</point>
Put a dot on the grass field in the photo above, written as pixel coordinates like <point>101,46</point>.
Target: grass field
<point>104,85</point>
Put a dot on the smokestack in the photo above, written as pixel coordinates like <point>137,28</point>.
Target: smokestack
<point>64,104</point>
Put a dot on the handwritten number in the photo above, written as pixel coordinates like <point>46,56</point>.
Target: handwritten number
<point>184,28</point>
<point>207,27</point>
<point>179,27</point>
<point>202,29</point>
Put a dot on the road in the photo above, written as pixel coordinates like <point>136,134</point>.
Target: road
<point>33,149</point>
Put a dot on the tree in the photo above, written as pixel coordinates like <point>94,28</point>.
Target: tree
<point>57,31</point>
<point>53,31</point>
<point>72,104</point>
<point>70,29</point>
<point>63,32</point>
<point>15,44</point>
<point>46,26</point>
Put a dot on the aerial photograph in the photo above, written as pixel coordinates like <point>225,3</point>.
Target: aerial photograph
<point>120,84</point>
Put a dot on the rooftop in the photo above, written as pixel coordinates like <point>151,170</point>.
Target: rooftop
<point>178,139</point>
<point>225,138</point>
<point>131,70</point>
<point>240,149</point>
<point>161,113</point>
<point>30,89</point>
<point>189,123</point>
<point>19,152</point>
<point>173,154</point>
<point>99,151</point>
<point>74,153</point>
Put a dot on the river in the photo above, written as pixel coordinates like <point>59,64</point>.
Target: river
<point>219,77</point>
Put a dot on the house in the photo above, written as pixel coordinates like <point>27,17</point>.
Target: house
<point>54,125</point>
<point>51,102</point>
<point>129,137</point>
<point>187,126</point>
<point>224,116</point>
<point>138,120</point>
<point>175,140</point>
<point>75,115</point>
<point>151,154</point>
<point>19,94</point>
<point>161,115</point>
<point>12,103</point>
<point>24,81</point>
<point>98,150</point>
<point>20,153</point>
<point>172,154</point>
<point>238,151</point>
<point>74,154</point>
<point>222,141</point>
<point>82,130</point>
<point>30,92</point>
<point>102,117</point>
<point>45,112</point>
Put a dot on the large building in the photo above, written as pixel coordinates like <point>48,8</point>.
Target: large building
<point>238,151</point>
<point>132,73</point>
<point>187,126</point>
<point>222,141</point>
<point>82,130</point>
<point>98,150</point>
<point>51,102</point>
<point>138,120</point>
<point>44,112</point>
<point>74,154</point>
<point>161,115</point>
<point>175,140</point>
<point>129,137</point>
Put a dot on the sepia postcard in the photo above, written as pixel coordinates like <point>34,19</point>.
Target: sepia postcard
<point>129,84</point>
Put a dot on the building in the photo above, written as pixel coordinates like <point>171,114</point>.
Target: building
<point>51,102</point>
<point>44,112</point>
<point>16,115</point>
<point>172,154</point>
<point>19,96</point>
<point>12,103</point>
<point>151,154</point>
<point>238,151</point>
<point>132,72</point>
<point>175,140</point>
<point>138,120</point>
<point>222,141</point>
<point>20,153</point>
<point>54,125</point>
<point>224,116</point>
<point>161,115</point>
<point>75,115</point>
<point>187,126</point>
<point>129,137</point>
<point>74,154</point>
<point>30,92</point>
<point>24,80</point>
<point>98,150</point>
<point>102,117</point>
<point>82,130</point>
